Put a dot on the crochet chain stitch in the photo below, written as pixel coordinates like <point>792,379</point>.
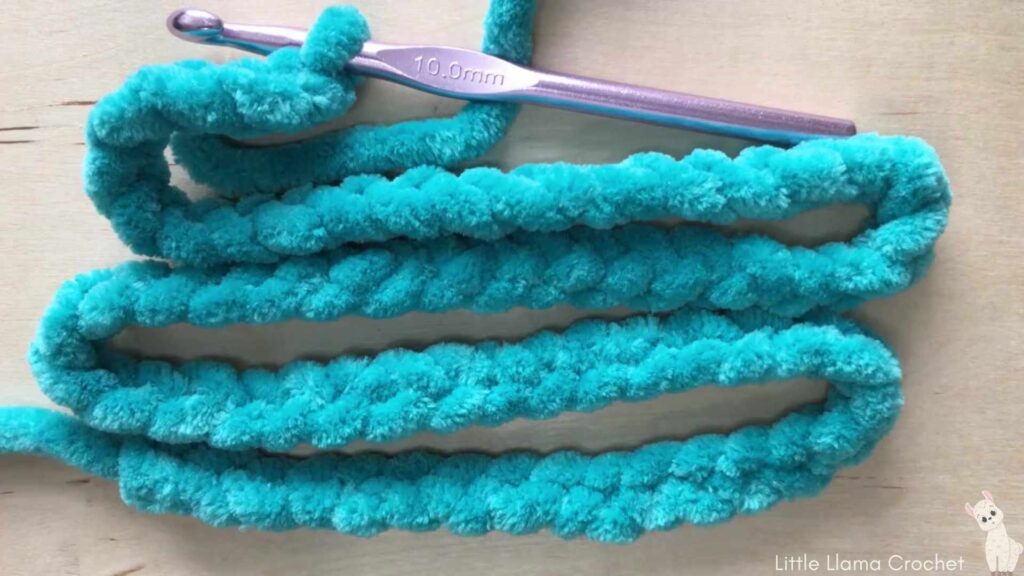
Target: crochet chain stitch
<point>373,222</point>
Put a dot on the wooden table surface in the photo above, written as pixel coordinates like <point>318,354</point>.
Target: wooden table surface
<point>951,71</point>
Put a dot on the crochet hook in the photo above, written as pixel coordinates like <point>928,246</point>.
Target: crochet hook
<point>472,75</point>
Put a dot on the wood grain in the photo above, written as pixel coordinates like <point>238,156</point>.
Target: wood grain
<point>947,70</point>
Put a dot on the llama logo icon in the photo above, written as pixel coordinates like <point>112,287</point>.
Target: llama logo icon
<point>1001,551</point>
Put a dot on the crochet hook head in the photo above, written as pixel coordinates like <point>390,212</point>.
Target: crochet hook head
<point>472,75</point>
<point>202,27</point>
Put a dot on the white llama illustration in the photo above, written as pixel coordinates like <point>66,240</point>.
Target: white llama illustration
<point>1001,551</point>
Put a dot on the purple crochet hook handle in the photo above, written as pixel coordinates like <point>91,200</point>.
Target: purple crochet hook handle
<point>471,75</point>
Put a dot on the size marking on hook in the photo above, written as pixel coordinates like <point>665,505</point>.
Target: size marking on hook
<point>456,71</point>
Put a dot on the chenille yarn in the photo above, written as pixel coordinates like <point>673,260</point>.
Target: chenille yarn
<point>372,221</point>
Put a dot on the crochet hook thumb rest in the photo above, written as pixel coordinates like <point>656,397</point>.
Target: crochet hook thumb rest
<point>472,75</point>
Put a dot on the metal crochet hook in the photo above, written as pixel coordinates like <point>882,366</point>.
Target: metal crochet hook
<point>471,75</point>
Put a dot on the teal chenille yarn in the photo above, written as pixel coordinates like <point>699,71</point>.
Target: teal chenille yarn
<point>373,221</point>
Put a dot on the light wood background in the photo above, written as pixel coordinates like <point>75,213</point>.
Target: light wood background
<point>951,71</point>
